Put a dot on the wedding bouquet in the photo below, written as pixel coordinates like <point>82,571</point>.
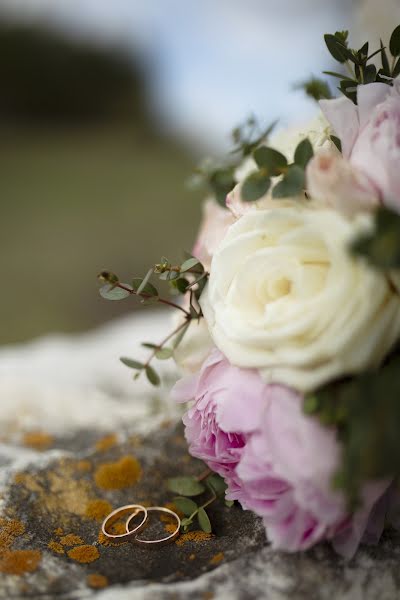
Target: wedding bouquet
<point>289,326</point>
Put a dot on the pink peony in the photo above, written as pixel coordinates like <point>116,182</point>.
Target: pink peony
<point>370,135</point>
<point>215,223</point>
<point>216,427</point>
<point>276,461</point>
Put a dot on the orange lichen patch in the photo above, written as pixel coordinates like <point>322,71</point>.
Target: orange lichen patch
<point>170,528</point>
<point>84,554</point>
<point>56,547</point>
<point>192,557</point>
<point>193,536</point>
<point>217,558</point>
<point>208,596</point>
<point>59,531</point>
<point>18,562</point>
<point>9,530</point>
<point>96,581</point>
<point>98,509</point>
<point>106,442</point>
<point>171,506</point>
<point>83,466</point>
<point>71,540</point>
<point>39,440</point>
<point>118,475</point>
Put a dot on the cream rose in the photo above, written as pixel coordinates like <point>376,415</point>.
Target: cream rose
<point>285,297</point>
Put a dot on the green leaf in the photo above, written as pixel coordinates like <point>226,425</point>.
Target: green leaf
<point>164,353</point>
<point>180,334</point>
<point>385,61</point>
<point>382,246</point>
<point>181,285</point>
<point>222,181</point>
<point>394,44</point>
<point>185,505</point>
<point>335,47</point>
<point>152,376</point>
<point>146,289</point>
<point>109,292</point>
<point>185,486</point>
<point>132,364</point>
<point>189,264</point>
<point>145,281</point>
<point>204,521</point>
<point>315,88</point>
<point>291,185</point>
<point>255,186</point>
<point>337,142</point>
<point>185,523</point>
<point>396,70</point>
<point>369,74</point>
<point>229,503</point>
<point>107,277</point>
<point>303,153</point>
<point>270,161</point>
<point>340,76</point>
<point>310,405</point>
<point>216,483</point>
<point>149,345</point>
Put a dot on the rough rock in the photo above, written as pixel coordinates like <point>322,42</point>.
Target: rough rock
<point>60,475</point>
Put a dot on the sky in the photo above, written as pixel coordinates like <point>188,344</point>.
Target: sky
<point>213,62</point>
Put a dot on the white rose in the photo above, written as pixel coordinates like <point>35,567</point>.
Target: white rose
<point>285,297</point>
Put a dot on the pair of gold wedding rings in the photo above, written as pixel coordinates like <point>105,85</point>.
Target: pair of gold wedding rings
<point>132,510</point>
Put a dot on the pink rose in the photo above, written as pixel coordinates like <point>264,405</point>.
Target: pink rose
<point>332,180</point>
<point>370,135</point>
<point>215,223</point>
<point>276,461</point>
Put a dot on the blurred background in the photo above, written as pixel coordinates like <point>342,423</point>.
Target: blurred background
<point>106,107</point>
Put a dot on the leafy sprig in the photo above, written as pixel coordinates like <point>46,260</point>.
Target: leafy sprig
<point>360,69</point>
<point>192,487</point>
<point>188,278</point>
<point>272,163</point>
<point>220,179</point>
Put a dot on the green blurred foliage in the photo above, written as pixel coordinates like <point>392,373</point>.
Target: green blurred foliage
<point>79,195</point>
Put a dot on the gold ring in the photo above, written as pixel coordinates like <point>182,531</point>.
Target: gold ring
<point>134,509</point>
<point>160,542</point>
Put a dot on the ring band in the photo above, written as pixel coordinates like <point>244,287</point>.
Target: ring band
<point>134,509</point>
<point>159,542</point>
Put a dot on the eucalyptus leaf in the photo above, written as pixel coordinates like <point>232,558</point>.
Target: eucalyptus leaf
<point>216,483</point>
<point>145,281</point>
<point>164,353</point>
<point>291,185</point>
<point>385,60</point>
<point>204,520</point>
<point>190,263</point>
<point>303,153</point>
<point>180,335</point>
<point>394,44</point>
<point>270,160</point>
<point>185,486</point>
<point>185,505</point>
<point>152,376</point>
<point>146,289</point>
<point>335,47</point>
<point>132,364</point>
<point>110,292</point>
<point>255,186</point>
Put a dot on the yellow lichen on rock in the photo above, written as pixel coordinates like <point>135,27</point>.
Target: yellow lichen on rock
<point>117,475</point>
<point>56,547</point>
<point>106,442</point>
<point>71,540</point>
<point>39,440</point>
<point>84,554</point>
<point>193,536</point>
<point>98,509</point>
<point>97,581</point>
<point>18,562</point>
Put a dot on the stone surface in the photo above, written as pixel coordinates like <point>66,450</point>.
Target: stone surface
<point>56,480</point>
